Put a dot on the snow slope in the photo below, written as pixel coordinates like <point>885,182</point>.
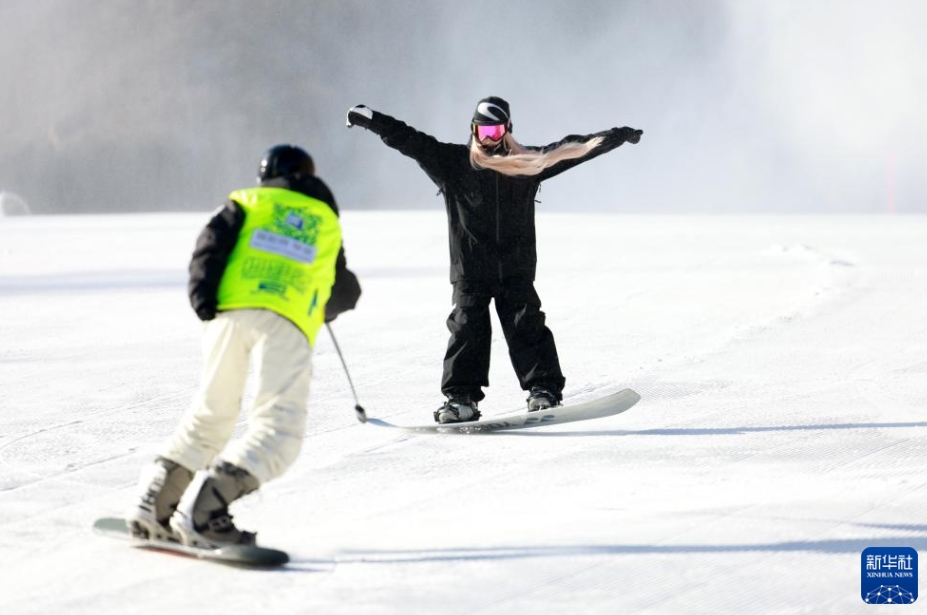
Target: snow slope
<point>782,363</point>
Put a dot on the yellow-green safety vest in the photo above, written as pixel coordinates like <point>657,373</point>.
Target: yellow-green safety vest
<point>285,257</point>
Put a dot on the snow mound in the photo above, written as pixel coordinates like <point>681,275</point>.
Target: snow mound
<point>13,205</point>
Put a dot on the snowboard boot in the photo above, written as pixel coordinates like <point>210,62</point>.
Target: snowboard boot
<point>542,398</point>
<point>202,518</point>
<point>161,485</point>
<point>457,409</point>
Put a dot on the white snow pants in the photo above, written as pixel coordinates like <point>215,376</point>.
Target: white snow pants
<point>282,362</point>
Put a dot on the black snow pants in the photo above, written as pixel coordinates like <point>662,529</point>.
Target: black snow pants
<point>531,344</point>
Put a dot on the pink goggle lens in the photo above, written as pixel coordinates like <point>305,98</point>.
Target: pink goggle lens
<point>493,132</point>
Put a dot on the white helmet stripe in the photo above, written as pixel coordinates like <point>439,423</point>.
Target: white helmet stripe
<point>490,110</point>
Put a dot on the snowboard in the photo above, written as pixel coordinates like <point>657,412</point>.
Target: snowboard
<point>250,556</point>
<point>610,405</point>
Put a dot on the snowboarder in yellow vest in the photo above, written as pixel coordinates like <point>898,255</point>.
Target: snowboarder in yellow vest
<point>284,259</point>
<point>267,271</point>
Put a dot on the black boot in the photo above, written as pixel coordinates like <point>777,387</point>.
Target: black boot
<point>542,398</point>
<point>457,409</point>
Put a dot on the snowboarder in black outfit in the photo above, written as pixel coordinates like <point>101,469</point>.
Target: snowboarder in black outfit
<point>489,187</point>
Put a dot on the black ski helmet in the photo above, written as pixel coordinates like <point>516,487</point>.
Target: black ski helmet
<point>492,110</point>
<point>281,160</point>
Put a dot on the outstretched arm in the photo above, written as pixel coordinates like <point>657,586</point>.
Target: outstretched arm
<point>610,140</point>
<point>421,147</point>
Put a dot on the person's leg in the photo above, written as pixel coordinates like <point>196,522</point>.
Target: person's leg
<point>466,362</point>
<point>277,421</point>
<point>276,426</point>
<point>202,433</point>
<point>530,342</point>
<point>207,425</point>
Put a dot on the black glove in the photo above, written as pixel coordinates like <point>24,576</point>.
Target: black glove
<point>359,115</point>
<point>206,312</point>
<point>631,135</point>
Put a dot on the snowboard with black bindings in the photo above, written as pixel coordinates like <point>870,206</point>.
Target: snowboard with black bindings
<point>610,405</point>
<point>249,556</point>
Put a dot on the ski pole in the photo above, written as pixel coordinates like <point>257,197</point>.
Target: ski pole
<point>358,409</point>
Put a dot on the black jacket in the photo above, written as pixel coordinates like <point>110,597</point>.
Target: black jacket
<point>219,236</point>
<point>490,215</point>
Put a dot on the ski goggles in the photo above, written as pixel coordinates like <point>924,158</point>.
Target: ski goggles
<point>493,132</point>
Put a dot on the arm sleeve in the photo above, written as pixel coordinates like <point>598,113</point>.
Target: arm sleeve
<point>346,290</point>
<point>322,192</point>
<point>210,256</point>
<point>427,151</point>
<point>611,139</point>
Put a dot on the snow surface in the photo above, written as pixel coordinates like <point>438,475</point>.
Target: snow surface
<point>782,363</point>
